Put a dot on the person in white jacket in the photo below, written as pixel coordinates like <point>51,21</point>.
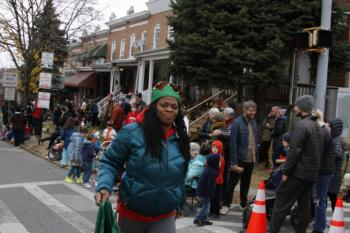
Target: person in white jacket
<point>109,133</point>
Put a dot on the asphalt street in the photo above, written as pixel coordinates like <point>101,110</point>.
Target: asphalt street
<point>34,199</point>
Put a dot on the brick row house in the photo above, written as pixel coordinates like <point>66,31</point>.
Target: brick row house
<point>130,56</point>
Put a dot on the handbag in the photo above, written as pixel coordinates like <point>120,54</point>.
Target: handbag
<point>106,220</point>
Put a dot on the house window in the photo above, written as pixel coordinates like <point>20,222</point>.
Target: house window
<point>156,37</point>
<point>113,50</point>
<point>132,45</point>
<point>143,41</point>
<point>170,33</point>
<point>122,49</point>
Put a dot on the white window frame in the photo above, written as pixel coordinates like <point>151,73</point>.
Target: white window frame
<point>122,49</point>
<point>156,40</point>
<point>144,36</point>
<point>170,33</point>
<point>113,47</point>
<point>132,41</point>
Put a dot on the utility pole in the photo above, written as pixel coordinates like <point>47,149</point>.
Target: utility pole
<point>322,68</point>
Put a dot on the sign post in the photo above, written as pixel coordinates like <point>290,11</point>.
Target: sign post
<point>47,60</point>
<point>45,80</point>
<point>10,93</point>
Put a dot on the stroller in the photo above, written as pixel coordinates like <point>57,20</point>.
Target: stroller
<point>271,185</point>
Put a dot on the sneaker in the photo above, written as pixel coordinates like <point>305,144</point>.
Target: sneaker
<point>68,180</point>
<point>224,210</point>
<point>87,185</point>
<point>79,180</point>
<point>207,222</point>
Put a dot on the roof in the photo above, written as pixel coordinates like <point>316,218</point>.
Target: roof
<point>129,19</point>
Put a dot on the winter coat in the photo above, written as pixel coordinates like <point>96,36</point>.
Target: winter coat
<point>206,185</point>
<point>195,170</point>
<point>240,139</point>
<point>88,151</point>
<point>150,187</point>
<point>278,131</point>
<point>205,130</point>
<point>17,121</point>
<point>327,160</point>
<point>338,153</point>
<point>74,149</point>
<point>305,153</point>
<point>65,136</point>
<point>266,132</point>
<point>279,153</point>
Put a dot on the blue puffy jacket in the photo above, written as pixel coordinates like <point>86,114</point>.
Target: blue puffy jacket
<point>150,187</point>
<point>239,139</point>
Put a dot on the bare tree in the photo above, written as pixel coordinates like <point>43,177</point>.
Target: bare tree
<point>17,27</point>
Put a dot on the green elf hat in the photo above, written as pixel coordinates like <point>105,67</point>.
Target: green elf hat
<point>162,89</point>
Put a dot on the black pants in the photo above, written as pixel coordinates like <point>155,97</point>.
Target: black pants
<point>290,191</point>
<point>333,197</point>
<point>215,205</point>
<point>245,178</point>
<point>18,136</point>
<point>264,152</point>
<point>38,127</point>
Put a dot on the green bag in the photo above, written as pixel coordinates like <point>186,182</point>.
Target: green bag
<point>106,220</point>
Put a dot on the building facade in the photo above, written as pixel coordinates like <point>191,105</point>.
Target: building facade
<point>128,57</point>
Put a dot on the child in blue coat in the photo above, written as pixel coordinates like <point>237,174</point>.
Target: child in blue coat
<point>206,188</point>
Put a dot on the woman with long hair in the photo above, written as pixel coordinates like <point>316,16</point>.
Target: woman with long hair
<point>156,152</point>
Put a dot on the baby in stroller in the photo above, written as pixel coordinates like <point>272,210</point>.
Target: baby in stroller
<point>272,183</point>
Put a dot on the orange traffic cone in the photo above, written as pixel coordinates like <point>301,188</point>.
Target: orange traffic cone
<point>337,223</point>
<point>257,221</point>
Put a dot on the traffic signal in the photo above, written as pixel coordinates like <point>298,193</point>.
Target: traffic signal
<point>302,40</point>
<point>322,38</point>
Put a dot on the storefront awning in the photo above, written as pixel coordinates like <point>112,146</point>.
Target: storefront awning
<point>82,80</point>
<point>96,52</point>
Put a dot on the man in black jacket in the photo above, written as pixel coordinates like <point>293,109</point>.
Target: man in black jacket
<point>301,169</point>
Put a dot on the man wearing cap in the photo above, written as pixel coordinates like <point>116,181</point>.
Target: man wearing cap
<point>301,168</point>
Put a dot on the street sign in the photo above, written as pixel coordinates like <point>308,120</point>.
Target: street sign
<point>45,80</point>
<point>47,60</point>
<point>10,93</point>
<point>44,100</point>
<point>10,80</point>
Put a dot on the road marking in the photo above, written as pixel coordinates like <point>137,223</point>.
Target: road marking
<point>75,219</point>
<point>10,150</point>
<point>218,227</point>
<point>8,222</point>
<point>82,191</point>
<point>17,185</point>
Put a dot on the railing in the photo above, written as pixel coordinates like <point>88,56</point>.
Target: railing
<point>229,95</point>
<point>104,101</point>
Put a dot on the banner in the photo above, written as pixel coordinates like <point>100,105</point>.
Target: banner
<point>45,80</point>
<point>47,60</point>
<point>44,100</point>
<point>10,94</point>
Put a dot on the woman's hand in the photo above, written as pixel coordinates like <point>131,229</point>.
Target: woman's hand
<point>102,195</point>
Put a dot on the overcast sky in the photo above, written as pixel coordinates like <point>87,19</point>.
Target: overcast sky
<point>119,7</point>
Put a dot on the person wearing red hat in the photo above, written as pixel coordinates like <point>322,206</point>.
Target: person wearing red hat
<point>217,148</point>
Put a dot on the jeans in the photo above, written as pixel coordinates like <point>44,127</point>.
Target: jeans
<point>290,191</point>
<point>202,214</point>
<point>320,199</point>
<point>64,160</point>
<point>74,171</point>
<point>87,171</point>
<point>38,126</point>
<point>245,178</point>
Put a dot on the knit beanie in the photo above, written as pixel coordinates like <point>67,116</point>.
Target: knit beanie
<point>306,103</point>
<point>218,144</point>
<point>166,91</point>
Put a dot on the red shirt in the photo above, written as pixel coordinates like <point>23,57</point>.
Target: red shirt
<point>129,214</point>
<point>37,113</point>
<point>131,117</point>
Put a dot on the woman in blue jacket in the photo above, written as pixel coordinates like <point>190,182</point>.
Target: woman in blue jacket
<point>66,132</point>
<point>155,152</point>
